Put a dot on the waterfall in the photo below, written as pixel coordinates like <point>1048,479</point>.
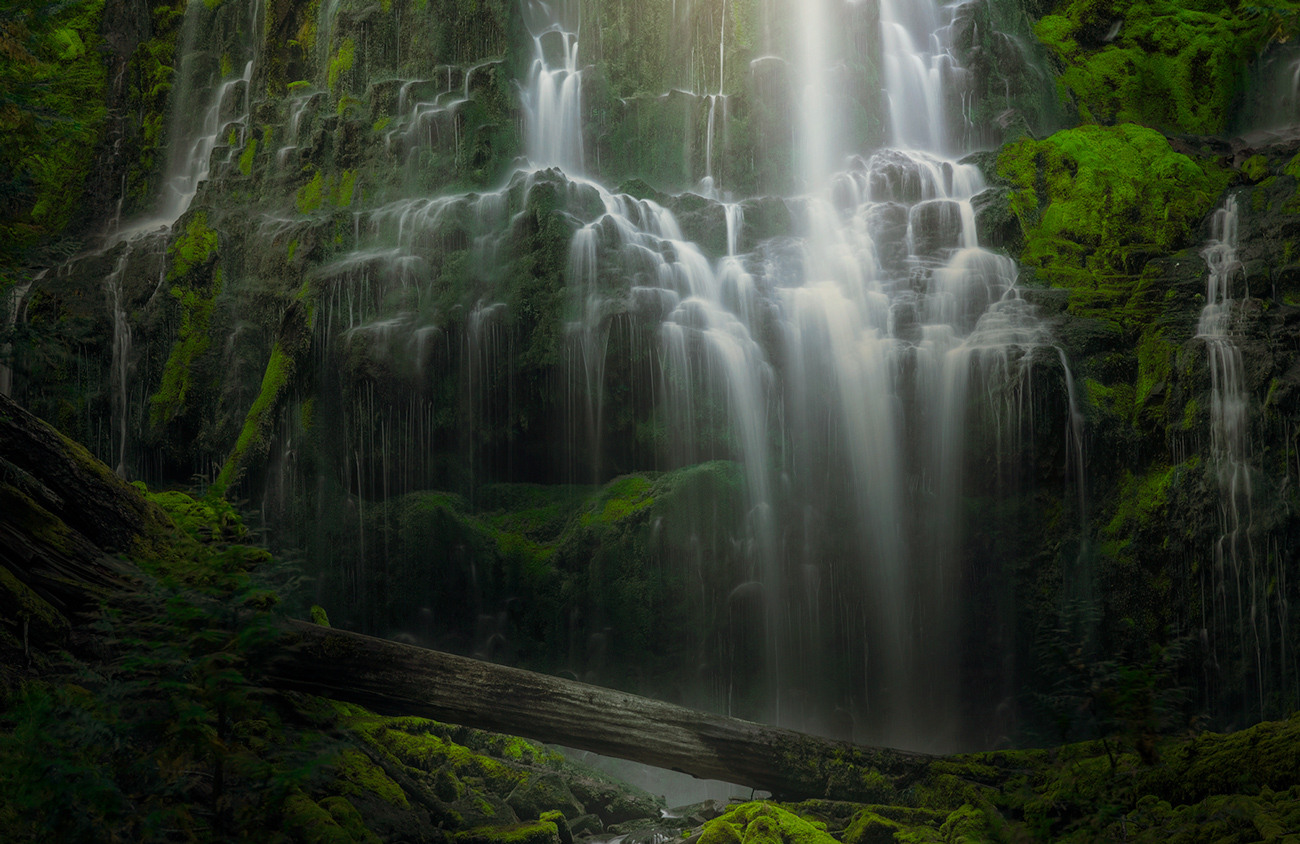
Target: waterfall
<point>890,321</point>
<point>553,99</point>
<point>1235,555</point>
<point>851,367</point>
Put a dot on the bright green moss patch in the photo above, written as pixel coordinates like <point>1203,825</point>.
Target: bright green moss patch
<point>1165,64</point>
<point>246,157</point>
<point>194,247</point>
<point>1255,168</point>
<point>261,416</point>
<point>342,62</point>
<point>311,195</point>
<point>763,823</point>
<point>203,519</point>
<point>1092,200</point>
<point>618,500</point>
<point>344,189</point>
<point>535,832</point>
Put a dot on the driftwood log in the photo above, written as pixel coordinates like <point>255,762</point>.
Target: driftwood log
<point>63,513</point>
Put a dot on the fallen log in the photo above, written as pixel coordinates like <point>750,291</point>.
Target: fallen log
<point>61,511</point>
<point>397,679</point>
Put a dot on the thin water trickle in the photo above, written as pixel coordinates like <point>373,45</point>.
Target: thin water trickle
<point>12,305</point>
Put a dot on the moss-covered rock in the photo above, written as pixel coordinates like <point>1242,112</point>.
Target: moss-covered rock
<point>1154,62</point>
<point>1094,203</point>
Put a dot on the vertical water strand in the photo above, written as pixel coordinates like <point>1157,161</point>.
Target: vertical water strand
<point>121,356</point>
<point>553,99</point>
<point>815,127</point>
<point>1234,552</point>
<point>914,76</point>
<point>11,311</point>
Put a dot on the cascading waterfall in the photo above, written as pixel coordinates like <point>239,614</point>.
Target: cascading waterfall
<point>850,368</point>
<point>1235,555</point>
<point>890,317</point>
<point>918,76</point>
<point>553,99</point>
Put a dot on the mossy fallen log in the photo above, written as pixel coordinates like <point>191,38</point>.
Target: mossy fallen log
<point>397,679</point>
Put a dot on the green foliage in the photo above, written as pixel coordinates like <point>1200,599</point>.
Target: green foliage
<point>52,90</point>
<point>196,291</point>
<point>163,738</point>
<point>621,498</point>
<point>1255,168</point>
<point>1169,64</point>
<point>763,823</point>
<point>1140,510</point>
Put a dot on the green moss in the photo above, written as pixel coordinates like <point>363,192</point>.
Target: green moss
<point>1143,501</point>
<point>763,823</point>
<point>246,157</point>
<point>34,519</point>
<point>1255,167</point>
<point>360,777</point>
<point>536,832</point>
<point>293,248</point>
<point>195,246</point>
<point>620,499</point>
<point>1155,365</point>
<point>319,616</point>
<point>342,62</point>
<point>344,190</point>
<point>1292,167</point>
<point>310,823</point>
<point>252,440</point>
<point>1168,65</point>
<point>203,519</point>
<point>1259,197</point>
<point>192,343</point>
<point>55,84</point>
<point>867,827</point>
<point>17,600</point>
<point>1091,201</point>
<point>311,195</point>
